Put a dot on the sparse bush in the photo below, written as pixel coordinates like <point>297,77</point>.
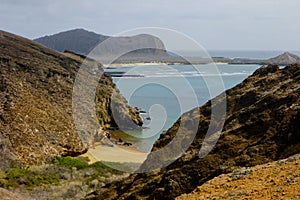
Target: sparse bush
<point>70,162</point>
<point>32,177</point>
<point>17,176</point>
<point>15,173</point>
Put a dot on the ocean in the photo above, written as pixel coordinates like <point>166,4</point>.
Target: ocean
<point>164,92</point>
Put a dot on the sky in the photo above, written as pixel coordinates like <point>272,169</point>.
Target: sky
<point>215,24</point>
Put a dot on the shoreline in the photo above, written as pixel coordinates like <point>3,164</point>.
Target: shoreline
<point>163,63</point>
<point>135,64</point>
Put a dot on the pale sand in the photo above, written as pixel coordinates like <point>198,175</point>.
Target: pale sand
<point>134,64</point>
<point>118,153</point>
<point>220,63</point>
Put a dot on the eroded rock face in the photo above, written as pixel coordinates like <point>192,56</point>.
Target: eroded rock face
<point>36,86</point>
<point>261,125</point>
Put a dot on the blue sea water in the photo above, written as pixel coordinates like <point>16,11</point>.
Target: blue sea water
<point>165,92</point>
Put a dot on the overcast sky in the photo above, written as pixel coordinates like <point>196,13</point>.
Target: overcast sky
<point>216,24</point>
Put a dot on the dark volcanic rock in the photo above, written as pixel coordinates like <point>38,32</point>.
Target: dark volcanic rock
<point>262,125</point>
<point>36,121</point>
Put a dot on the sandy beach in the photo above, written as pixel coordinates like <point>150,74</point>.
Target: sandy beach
<point>117,153</point>
<point>135,64</point>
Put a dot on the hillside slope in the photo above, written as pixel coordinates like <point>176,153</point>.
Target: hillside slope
<point>275,180</point>
<point>261,125</point>
<point>36,85</point>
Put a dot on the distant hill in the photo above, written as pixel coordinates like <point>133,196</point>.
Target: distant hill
<point>77,40</point>
<point>82,42</point>
<point>285,58</point>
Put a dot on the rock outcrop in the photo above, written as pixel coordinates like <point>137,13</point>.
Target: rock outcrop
<point>261,125</point>
<point>36,121</point>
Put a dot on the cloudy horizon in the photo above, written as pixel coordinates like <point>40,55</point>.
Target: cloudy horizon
<point>217,25</point>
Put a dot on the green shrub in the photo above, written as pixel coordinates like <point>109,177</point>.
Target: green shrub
<point>15,173</point>
<point>43,179</point>
<point>16,176</point>
<point>3,183</point>
<point>71,162</point>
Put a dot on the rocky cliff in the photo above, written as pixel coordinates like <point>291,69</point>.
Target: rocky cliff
<point>36,85</point>
<point>261,125</point>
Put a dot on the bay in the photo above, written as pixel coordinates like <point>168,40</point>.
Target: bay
<point>165,92</point>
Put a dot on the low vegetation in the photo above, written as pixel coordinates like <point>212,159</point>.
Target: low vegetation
<point>62,172</point>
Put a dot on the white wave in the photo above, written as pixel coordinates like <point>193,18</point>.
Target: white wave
<point>174,74</point>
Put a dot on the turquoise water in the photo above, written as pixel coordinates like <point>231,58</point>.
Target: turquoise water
<point>165,92</point>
